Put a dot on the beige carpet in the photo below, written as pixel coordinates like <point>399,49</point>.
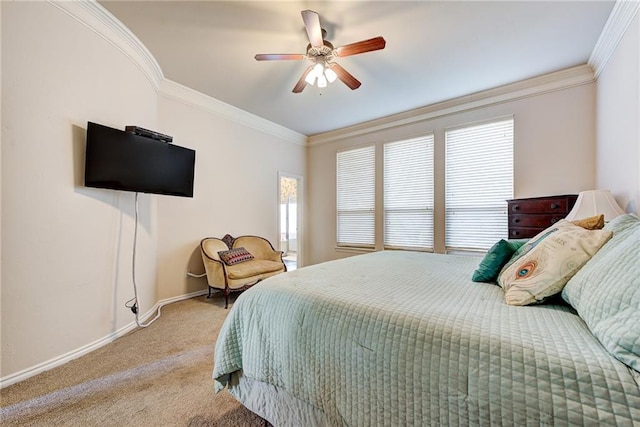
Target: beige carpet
<point>155,376</point>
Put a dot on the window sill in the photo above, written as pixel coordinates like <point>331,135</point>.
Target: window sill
<point>409,249</point>
<point>468,252</point>
<point>354,249</point>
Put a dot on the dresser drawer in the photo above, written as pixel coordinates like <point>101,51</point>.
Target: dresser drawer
<point>539,221</point>
<point>528,217</point>
<point>541,205</point>
<point>524,232</point>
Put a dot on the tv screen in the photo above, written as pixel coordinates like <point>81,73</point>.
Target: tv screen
<point>120,160</point>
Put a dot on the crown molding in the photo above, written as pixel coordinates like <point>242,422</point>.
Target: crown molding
<point>622,14</point>
<point>95,17</point>
<point>175,91</point>
<point>559,80</point>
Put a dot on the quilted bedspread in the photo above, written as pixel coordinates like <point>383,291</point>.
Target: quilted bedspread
<point>400,338</point>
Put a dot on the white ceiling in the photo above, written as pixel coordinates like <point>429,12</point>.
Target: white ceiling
<point>436,50</point>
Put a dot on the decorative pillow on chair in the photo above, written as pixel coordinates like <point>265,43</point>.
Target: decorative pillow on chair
<point>235,256</point>
<point>495,259</point>
<point>606,291</point>
<point>548,261</point>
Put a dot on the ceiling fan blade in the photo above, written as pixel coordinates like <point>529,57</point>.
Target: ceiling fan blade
<point>375,43</point>
<point>278,56</point>
<point>346,77</point>
<point>312,24</point>
<point>299,87</point>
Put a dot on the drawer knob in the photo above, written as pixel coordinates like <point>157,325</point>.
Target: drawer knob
<point>553,220</point>
<point>515,207</point>
<point>516,220</point>
<point>554,206</point>
<point>515,233</point>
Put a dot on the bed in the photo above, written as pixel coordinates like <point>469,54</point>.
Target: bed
<point>405,338</point>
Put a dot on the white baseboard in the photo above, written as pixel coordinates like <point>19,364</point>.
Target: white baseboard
<point>74,354</point>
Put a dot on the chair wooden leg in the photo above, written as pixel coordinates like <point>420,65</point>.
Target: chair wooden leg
<point>226,300</point>
<point>209,294</point>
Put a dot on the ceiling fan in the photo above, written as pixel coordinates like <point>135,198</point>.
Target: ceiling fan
<point>322,54</point>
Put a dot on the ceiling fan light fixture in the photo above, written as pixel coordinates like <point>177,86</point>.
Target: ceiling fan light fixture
<point>330,75</point>
<point>322,54</point>
<point>311,78</point>
<point>318,69</point>
<point>322,81</point>
<point>315,73</point>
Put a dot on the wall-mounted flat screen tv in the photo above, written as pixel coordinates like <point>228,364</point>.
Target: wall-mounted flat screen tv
<point>120,160</point>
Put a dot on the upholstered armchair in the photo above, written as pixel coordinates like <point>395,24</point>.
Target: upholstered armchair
<point>229,268</point>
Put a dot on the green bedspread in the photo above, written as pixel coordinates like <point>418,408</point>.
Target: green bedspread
<point>401,338</point>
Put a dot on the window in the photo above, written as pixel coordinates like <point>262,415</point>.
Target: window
<point>408,194</point>
<point>478,181</point>
<point>355,171</point>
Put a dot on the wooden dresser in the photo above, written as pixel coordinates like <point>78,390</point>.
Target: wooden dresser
<point>528,217</point>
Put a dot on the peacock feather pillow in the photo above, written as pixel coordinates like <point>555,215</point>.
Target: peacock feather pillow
<point>545,264</point>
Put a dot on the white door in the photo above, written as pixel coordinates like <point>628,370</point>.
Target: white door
<point>289,200</point>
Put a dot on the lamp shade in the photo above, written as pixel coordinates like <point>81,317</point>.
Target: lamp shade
<point>595,202</point>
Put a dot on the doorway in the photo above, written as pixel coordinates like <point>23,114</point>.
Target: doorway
<point>289,218</point>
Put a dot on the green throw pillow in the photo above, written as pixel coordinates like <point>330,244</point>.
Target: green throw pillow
<point>495,259</point>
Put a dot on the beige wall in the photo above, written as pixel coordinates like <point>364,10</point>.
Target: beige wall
<point>618,125</point>
<point>553,154</point>
<point>66,249</point>
<point>0,197</point>
<point>236,189</point>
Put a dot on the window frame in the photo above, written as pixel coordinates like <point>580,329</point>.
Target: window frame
<point>452,247</point>
<point>429,139</point>
<point>356,246</point>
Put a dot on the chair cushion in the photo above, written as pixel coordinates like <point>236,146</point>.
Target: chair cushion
<point>254,267</point>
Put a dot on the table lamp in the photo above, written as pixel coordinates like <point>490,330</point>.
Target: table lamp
<point>595,202</point>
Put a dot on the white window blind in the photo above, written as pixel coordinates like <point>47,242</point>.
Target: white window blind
<point>478,181</point>
<point>408,194</point>
<point>355,178</point>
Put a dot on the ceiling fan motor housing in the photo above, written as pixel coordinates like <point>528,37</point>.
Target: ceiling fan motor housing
<point>326,50</point>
